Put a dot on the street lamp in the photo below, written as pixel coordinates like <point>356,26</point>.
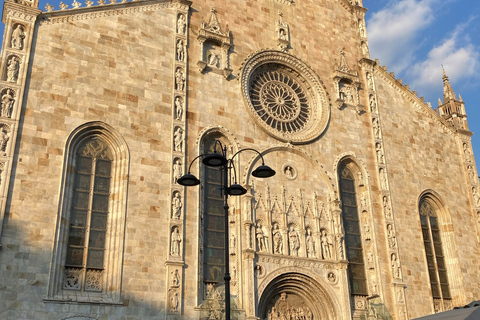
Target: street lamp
<point>216,159</point>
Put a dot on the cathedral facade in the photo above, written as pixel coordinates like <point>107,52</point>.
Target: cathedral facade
<point>373,212</point>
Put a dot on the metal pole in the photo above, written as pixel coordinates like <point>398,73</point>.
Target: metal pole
<point>227,253</point>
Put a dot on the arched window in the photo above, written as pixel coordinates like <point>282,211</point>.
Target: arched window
<point>433,250</point>
<point>353,239</point>
<point>87,255</point>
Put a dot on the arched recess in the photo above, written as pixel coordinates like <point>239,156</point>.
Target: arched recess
<point>108,289</point>
<point>431,205</point>
<point>294,287</point>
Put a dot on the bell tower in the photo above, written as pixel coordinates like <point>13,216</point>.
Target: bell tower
<point>451,109</point>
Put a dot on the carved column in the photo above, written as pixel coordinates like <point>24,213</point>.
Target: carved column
<point>19,18</point>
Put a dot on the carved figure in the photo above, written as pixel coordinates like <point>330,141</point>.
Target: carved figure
<point>180,50</point>
<point>177,170</point>
<point>179,80</point>
<point>366,52</point>
<point>174,301</point>
<point>176,205</point>
<point>373,103</point>
<point>471,173</point>
<point>4,137</point>
<point>383,178</point>
<point>7,104</point>
<point>262,242</point>
<point>277,240</point>
<point>376,128</point>
<point>289,171</point>
<point>178,108</point>
<point>17,37</point>
<point>294,241</point>
<point>181,23</point>
<point>233,242</point>
<point>326,245</point>
<point>370,82</point>
<point>178,140</point>
<point>213,59</point>
<point>310,244</point>
<point>392,240</point>
<point>380,157</point>
<point>282,34</point>
<point>332,277</point>
<point>12,69</point>
<point>395,266</point>
<point>175,278</point>
<point>361,28</point>
<point>476,197</point>
<point>348,93</point>
<point>175,243</point>
<point>386,208</point>
<point>467,152</point>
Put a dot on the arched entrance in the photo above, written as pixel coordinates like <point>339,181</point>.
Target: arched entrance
<point>296,296</point>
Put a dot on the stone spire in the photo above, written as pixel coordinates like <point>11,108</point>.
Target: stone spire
<point>451,109</point>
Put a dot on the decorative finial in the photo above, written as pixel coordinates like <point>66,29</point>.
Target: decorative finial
<point>49,7</point>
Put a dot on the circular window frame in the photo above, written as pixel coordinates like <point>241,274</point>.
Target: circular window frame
<point>318,101</point>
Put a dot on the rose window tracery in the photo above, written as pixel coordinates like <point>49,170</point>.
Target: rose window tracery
<point>285,96</point>
<point>280,101</point>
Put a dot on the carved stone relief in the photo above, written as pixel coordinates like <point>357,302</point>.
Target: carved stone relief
<point>175,242</point>
<point>396,271</point>
<point>177,169</point>
<point>370,83</point>
<point>380,156</point>
<point>181,24</point>
<point>361,29</point>
<point>180,79</point>
<point>179,108</point>
<point>383,178</point>
<point>18,36</point>
<point>392,239</point>
<point>175,279</point>
<point>365,50</point>
<point>4,137</point>
<point>13,67</point>
<point>7,102</point>
<point>386,208</point>
<point>376,128</point>
<point>2,168</point>
<point>283,33</point>
<point>277,239</point>
<point>176,205</point>
<point>178,137</point>
<point>181,50</point>
<point>373,103</point>
<point>293,241</point>
<point>289,171</point>
<point>261,237</point>
<point>310,244</point>
<point>174,298</point>
<point>289,307</point>
<point>326,245</point>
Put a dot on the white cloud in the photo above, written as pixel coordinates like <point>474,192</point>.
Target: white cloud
<point>393,31</point>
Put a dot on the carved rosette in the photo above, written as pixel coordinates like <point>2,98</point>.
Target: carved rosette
<point>284,96</point>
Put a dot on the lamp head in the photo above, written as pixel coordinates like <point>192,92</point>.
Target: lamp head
<point>214,160</point>
<point>236,190</point>
<point>188,180</point>
<point>263,171</point>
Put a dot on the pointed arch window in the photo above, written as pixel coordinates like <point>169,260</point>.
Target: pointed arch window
<point>353,238</point>
<point>434,251</point>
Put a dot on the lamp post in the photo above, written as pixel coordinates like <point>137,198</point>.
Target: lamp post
<point>220,160</point>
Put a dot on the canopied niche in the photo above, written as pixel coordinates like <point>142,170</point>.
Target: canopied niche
<point>293,295</point>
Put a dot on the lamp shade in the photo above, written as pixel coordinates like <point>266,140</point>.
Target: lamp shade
<point>263,171</point>
<point>214,160</point>
<point>188,180</point>
<point>236,190</point>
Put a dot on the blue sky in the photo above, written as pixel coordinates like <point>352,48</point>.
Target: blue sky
<point>414,38</point>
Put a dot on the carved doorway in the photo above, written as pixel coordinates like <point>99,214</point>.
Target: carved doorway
<point>295,296</point>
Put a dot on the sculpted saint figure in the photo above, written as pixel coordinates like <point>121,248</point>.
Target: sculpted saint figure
<point>181,24</point>
<point>176,240</point>
<point>7,104</point>
<point>178,139</point>
<point>294,242</point>
<point>17,37</point>
<point>180,50</point>
<point>179,80</point>
<point>310,244</point>
<point>176,205</point>
<point>326,245</point>
<point>277,240</point>
<point>177,170</point>
<point>12,69</point>
<point>178,109</point>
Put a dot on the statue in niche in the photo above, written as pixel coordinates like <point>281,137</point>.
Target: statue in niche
<point>7,103</point>
<point>175,278</point>
<point>277,240</point>
<point>361,28</point>
<point>4,137</point>
<point>370,260</point>
<point>282,34</point>
<point>177,170</point>
<point>178,108</point>
<point>18,37</point>
<point>471,173</point>
<point>392,240</point>
<point>180,50</point>
<point>373,103</point>
<point>476,198</point>
<point>178,140</point>
<point>366,52</point>
<point>174,300</point>
<point>176,205</point>
<point>395,266</point>
<point>326,245</point>
<point>331,277</point>
<point>310,244</point>
<point>213,59</point>
<point>12,69</point>
<point>373,281</point>
<point>175,242</point>
<point>289,171</point>
<point>383,179</point>
<point>294,242</point>
<point>181,24</point>
<point>467,152</point>
<point>370,82</point>
<point>262,239</point>
<point>233,242</point>
<point>376,128</point>
<point>380,157</point>
<point>386,208</point>
<point>367,230</point>
<point>179,80</point>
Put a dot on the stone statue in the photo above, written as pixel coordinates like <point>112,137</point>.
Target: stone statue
<point>177,170</point>
<point>348,94</point>
<point>361,29</point>
<point>175,278</point>
<point>175,242</point>
<point>386,208</point>
<point>373,103</point>
<point>7,104</point>
<point>310,244</point>
<point>17,37</point>
<point>380,157</point>
<point>262,242</point>
<point>294,242</point>
<point>471,173</point>
<point>179,80</point>
<point>383,179</point>
<point>181,24</point>
<point>213,59</point>
<point>180,50</point>
<point>176,205</point>
<point>289,171</point>
<point>12,69</point>
<point>174,301</point>
<point>178,108</point>
<point>277,240</point>
<point>326,245</point>
<point>178,140</point>
<point>370,82</point>
<point>476,197</point>
<point>366,52</point>
<point>395,266</point>
<point>376,128</point>
<point>4,137</point>
<point>392,240</point>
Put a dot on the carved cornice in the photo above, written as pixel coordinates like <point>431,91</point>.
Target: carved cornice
<point>287,2</point>
<point>19,11</point>
<point>110,10</point>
